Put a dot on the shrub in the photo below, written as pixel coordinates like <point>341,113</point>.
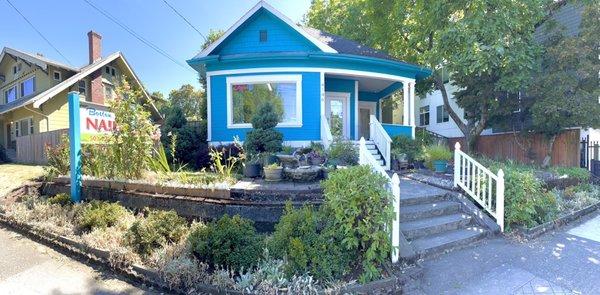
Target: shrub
<point>3,156</point>
<point>343,153</point>
<point>581,174</point>
<point>100,214</point>
<point>308,244</point>
<point>360,208</point>
<point>231,242</point>
<point>58,157</point>
<point>263,137</point>
<point>60,199</point>
<point>157,229</point>
<point>406,145</point>
<point>436,152</point>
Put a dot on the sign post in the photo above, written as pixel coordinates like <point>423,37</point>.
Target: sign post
<point>75,148</point>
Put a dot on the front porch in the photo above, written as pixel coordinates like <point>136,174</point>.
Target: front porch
<point>367,105</point>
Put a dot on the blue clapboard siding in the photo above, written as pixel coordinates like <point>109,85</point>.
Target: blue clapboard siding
<point>395,130</point>
<point>280,37</point>
<point>310,130</point>
<point>347,86</point>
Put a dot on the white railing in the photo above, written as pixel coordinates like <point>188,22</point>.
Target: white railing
<point>381,139</point>
<point>481,184</point>
<point>326,136</point>
<point>366,158</point>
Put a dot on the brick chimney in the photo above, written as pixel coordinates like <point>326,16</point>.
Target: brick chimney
<point>95,53</point>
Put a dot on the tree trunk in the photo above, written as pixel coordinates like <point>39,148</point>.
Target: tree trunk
<point>548,158</point>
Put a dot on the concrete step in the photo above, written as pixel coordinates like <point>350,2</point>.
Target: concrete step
<point>434,225</point>
<point>419,211</point>
<point>419,199</point>
<point>449,240</point>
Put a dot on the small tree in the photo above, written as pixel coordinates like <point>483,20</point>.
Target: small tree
<point>263,137</point>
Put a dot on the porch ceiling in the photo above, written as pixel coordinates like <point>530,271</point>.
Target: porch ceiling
<point>366,83</point>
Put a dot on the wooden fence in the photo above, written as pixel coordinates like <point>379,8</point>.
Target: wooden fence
<point>528,148</point>
<point>31,148</point>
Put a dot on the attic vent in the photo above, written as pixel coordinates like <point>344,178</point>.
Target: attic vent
<point>263,35</point>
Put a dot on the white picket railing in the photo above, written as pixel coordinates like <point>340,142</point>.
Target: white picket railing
<point>326,136</point>
<point>381,139</point>
<point>393,185</point>
<point>481,184</point>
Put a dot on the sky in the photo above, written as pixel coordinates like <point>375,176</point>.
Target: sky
<point>66,23</point>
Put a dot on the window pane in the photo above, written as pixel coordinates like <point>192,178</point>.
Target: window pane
<point>248,97</point>
<point>24,128</point>
<point>28,86</point>
<point>11,94</point>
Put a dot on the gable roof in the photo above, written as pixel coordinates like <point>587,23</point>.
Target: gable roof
<point>41,98</point>
<point>264,5</point>
<point>36,59</point>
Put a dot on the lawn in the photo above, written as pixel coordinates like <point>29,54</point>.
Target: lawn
<point>13,175</point>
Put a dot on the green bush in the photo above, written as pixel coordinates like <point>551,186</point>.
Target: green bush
<point>360,208</point>
<point>309,244</point>
<point>408,146</point>
<point>100,214</point>
<point>581,174</point>
<point>156,230</point>
<point>230,242</point>
<point>436,152</point>
<point>58,156</point>
<point>263,137</point>
<point>343,153</point>
<point>60,199</point>
<point>3,156</point>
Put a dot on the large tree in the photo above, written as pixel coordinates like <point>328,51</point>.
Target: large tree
<point>565,92</point>
<point>190,100</point>
<point>469,40</point>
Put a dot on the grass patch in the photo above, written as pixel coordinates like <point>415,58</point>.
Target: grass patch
<point>14,175</point>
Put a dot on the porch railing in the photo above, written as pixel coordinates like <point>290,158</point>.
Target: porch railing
<point>381,139</point>
<point>393,186</point>
<point>481,184</point>
<point>326,136</point>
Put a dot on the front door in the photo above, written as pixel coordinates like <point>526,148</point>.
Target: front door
<point>365,110</point>
<point>10,137</point>
<point>337,113</point>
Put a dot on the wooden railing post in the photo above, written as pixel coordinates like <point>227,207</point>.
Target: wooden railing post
<point>457,163</point>
<point>396,223</point>
<point>500,200</point>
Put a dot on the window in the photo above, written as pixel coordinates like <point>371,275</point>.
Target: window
<point>28,87</point>
<point>57,76</point>
<point>82,87</point>
<point>442,114</point>
<point>24,127</point>
<point>16,69</point>
<point>424,116</point>
<point>245,94</point>
<point>10,94</point>
<point>108,91</point>
<point>111,71</point>
<point>263,35</point>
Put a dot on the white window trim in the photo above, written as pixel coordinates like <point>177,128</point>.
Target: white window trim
<point>345,96</point>
<point>18,131</point>
<point>22,83</point>
<point>59,76</point>
<point>264,79</point>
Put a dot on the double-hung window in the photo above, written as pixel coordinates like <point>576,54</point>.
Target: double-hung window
<point>24,127</point>
<point>245,94</point>
<point>442,114</point>
<point>10,94</point>
<point>28,87</point>
<point>424,116</point>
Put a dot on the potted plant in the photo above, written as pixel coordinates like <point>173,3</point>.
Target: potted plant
<point>315,158</point>
<point>437,157</point>
<point>252,166</point>
<point>273,172</point>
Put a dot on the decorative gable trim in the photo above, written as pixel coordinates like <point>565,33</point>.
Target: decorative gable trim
<point>262,4</point>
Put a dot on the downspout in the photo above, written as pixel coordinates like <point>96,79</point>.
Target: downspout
<point>41,114</point>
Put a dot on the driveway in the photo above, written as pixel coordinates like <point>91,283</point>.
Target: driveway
<point>27,267</point>
<point>563,262</point>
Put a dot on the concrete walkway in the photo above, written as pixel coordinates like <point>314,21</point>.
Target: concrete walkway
<point>563,262</point>
<point>27,267</point>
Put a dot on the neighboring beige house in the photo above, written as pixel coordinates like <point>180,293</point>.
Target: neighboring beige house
<point>33,90</point>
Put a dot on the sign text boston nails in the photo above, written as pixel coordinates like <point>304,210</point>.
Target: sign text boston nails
<point>96,125</point>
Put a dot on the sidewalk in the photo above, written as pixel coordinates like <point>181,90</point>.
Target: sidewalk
<point>563,262</point>
<point>27,267</point>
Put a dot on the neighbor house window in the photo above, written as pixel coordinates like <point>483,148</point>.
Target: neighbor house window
<point>424,116</point>
<point>245,94</point>
<point>110,71</point>
<point>57,76</point>
<point>10,94</point>
<point>442,114</point>
<point>82,87</point>
<point>263,35</point>
<point>28,87</point>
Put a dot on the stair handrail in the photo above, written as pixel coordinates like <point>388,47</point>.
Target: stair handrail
<point>393,186</point>
<point>326,136</point>
<point>481,184</point>
<point>381,139</point>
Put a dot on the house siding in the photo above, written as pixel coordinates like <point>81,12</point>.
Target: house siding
<point>309,131</point>
<point>280,37</point>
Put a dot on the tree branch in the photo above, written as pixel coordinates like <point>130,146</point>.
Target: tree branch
<point>439,83</point>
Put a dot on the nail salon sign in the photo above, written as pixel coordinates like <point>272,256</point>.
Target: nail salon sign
<point>96,125</point>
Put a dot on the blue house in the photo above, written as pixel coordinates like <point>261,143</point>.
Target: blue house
<point>325,86</point>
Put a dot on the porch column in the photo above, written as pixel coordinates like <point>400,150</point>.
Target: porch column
<point>411,110</point>
<point>406,107</point>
